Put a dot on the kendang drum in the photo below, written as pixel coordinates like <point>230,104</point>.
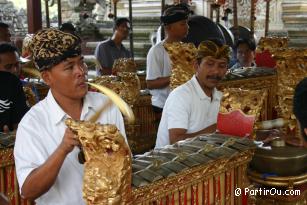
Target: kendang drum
<point>202,170</point>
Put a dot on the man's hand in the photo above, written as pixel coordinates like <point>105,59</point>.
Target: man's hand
<point>42,178</point>
<point>158,83</point>
<point>69,141</point>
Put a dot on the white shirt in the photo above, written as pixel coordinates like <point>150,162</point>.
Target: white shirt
<point>38,135</point>
<point>158,65</point>
<point>188,107</point>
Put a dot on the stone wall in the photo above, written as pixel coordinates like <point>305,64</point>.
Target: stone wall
<point>16,19</point>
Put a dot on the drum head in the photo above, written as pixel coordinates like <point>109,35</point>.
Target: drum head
<point>229,38</point>
<point>243,32</point>
<point>201,29</point>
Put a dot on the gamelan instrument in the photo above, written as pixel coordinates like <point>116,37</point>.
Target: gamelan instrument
<point>202,170</point>
<point>8,181</point>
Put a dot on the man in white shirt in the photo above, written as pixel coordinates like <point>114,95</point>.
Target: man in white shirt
<point>191,109</point>
<point>46,151</point>
<point>174,20</point>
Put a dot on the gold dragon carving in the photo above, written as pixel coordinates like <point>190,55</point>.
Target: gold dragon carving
<point>183,56</point>
<point>107,175</point>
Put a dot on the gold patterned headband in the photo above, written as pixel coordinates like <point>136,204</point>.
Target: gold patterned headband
<point>51,46</point>
<point>210,48</point>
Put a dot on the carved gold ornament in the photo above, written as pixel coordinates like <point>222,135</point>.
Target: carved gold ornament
<point>272,43</point>
<point>183,58</point>
<point>124,65</point>
<point>291,69</point>
<point>107,173</point>
<point>249,101</point>
<point>126,84</point>
<point>120,103</point>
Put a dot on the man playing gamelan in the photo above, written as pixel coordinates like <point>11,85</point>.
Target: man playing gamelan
<point>46,151</point>
<point>191,109</point>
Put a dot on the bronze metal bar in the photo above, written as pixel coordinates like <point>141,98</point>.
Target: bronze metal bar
<point>162,27</point>
<point>235,20</point>
<point>267,18</point>
<point>115,10</point>
<point>131,30</point>
<point>47,14</point>
<point>59,13</point>
<point>252,18</point>
<point>218,14</point>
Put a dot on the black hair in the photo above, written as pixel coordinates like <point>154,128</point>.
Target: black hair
<point>3,25</point>
<point>249,42</point>
<point>300,104</point>
<point>119,21</point>
<point>7,48</point>
<point>68,27</point>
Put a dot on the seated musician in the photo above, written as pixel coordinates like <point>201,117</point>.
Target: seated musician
<point>12,98</point>
<point>46,151</point>
<point>300,107</point>
<point>192,108</point>
<point>245,49</point>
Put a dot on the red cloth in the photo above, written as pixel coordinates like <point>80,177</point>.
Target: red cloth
<point>265,59</point>
<point>235,123</point>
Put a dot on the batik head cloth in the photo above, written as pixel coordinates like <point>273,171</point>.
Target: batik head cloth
<point>51,46</point>
<point>175,13</point>
<point>210,48</point>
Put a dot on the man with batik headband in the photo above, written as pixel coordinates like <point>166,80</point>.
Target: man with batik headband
<point>174,21</point>
<point>46,151</point>
<point>192,108</point>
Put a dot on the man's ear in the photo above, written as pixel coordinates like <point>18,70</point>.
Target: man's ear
<point>46,77</point>
<point>196,65</point>
<point>305,130</point>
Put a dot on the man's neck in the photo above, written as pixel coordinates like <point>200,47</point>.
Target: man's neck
<point>207,91</point>
<point>170,39</point>
<point>117,40</point>
<point>72,107</point>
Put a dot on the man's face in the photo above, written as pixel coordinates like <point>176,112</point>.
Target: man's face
<point>123,29</point>
<point>5,35</point>
<point>68,79</point>
<point>245,55</point>
<point>179,29</point>
<point>211,71</point>
<point>9,63</point>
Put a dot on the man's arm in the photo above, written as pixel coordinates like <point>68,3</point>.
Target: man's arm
<point>155,75</point>
<point>177,134</point>
<point>158,83</point>
<point>101,56</point>
<point>42,178</point>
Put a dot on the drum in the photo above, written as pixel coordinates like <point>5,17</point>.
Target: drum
<point>201,29</point>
